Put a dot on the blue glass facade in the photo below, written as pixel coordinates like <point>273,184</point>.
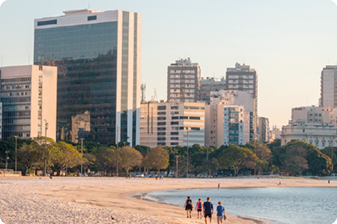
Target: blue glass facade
<point>86,56</point>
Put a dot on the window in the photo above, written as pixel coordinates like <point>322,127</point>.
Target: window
<point>90,18</point>
<point>161,123</point>
<point>161,113</point>
<point>161,139</point>
<point>174,143</point>
<point>161,133</point>
<point>161,118</point>
<point>174,133</point>
<point>175,138</point>
<point>161,129</point>
<point>174,107</point>
<point>162,143</point>
<point>195,129</point>
<point>161,108</point>
<point>175,123</point>
<point>194,108</point>
<point>48,22</point>
<point>175,118</point>
<point>194,118</point>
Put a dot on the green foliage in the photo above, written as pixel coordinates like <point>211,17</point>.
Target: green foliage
<point>130,157</point>
<point>157,159</point>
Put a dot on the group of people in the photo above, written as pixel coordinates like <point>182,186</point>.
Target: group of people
<point>205,210</point>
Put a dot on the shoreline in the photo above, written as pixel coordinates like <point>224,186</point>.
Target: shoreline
<point>95,199</point>
<point>145,196</point>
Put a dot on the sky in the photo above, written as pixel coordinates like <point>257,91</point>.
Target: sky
<point>288,42</point>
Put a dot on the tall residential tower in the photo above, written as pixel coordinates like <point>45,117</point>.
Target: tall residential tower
<point>98,58</point>
<point>329,87</point>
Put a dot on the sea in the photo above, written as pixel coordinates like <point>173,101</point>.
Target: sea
<point>281,205</point>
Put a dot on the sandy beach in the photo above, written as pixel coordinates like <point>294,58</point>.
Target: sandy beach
<point>95,200</point>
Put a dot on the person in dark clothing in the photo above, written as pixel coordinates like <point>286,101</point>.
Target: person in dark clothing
<point>208,210</point>
<point>188,206</point>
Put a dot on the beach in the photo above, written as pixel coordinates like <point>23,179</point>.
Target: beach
<point>96,199</point>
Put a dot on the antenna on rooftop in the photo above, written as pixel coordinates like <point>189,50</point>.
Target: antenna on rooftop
<point>88,5</point>
<point>155,97</point>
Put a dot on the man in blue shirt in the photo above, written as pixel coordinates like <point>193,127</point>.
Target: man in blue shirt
<point>220,213</point>
<point>208,210</point>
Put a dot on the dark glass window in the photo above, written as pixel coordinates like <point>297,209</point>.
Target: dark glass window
<point>90,18</point>
<point>195,118</point>
<point>161,123</point>
<point>161,139</point>
<point>161,118</point>
<point>161,113</point>
<point>174,107</point>
<point>48,22</point>
<point>183,117</point>
<point>174,143</point>
<point>161,133</point>
<point>162,143</point>
<point>161,108</point>
<point>161,129</point>
<point>174,133</point>
<point>195,129</point>
<point>175,123</point>
<point>175,118</point>
<point>174,138</point>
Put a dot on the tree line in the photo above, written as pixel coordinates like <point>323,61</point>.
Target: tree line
<point>295,158</point>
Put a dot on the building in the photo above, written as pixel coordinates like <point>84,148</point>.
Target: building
<point>0,121</point>
<point>328,87</point>
<point>311,114</point>
<point>263,129</point>
<point>242,78</point>
<point>98,58</point>
<point>242,98</point>
<point>226,124</point>
<point>183,81</point>
<point>80,126</point>
<point>208,85</point>
<point>28,96</point>
<point>274,134</point>
<point>172,123</point>
<point>319,134</point>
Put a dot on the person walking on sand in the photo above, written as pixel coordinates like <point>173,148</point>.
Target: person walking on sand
<point>220,213</point>
<point>188,206</point>
<point>199,208</point>
<point>208,210</point>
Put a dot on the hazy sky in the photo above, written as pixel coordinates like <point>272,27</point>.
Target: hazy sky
<point>288,42</point>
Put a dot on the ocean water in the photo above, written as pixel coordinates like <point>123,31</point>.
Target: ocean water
<point>278,205</point>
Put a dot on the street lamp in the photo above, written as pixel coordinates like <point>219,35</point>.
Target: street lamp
<point>82,156</point>
<point>16,153</point>
<point>117,152</point>
<point>6,160</point>
<point>45,149</point>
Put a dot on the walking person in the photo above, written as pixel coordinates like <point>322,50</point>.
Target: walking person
<point>220,213</point>
<point>188,206</point>
<point>208,210</point>
<point>199,208</point>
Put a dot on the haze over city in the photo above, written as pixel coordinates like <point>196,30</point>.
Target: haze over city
<point>287,42</point>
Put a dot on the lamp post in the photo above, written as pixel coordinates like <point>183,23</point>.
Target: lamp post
<point>16,153</point>
<point>117,152</point>
<point>45,149</point>
<point>188,133</point>
<point>82,156</point>
<point>6,160</point>
<point>207,160</point>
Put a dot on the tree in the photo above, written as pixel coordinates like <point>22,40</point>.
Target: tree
<point>66,156</point>
<point>105,158</point>
<point>331,152</point>
<point>296,162</point>
<point>29,155</point>
<point>130,157</point>
<point>237,158</point>
<point>46,146</point>
<point>157,159</point>
<point>263,154</point>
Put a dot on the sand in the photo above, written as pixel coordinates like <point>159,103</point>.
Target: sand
<point>95,200</point>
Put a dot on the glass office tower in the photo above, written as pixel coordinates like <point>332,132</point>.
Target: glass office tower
<point>98,58</point>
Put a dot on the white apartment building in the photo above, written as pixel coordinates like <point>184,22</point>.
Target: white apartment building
<point>319,134</point>
<point>245,99</point>
<point>209,85</point>
<point>226,124</point>
<point>172,123</point>
<point>311,114</point>
<point>328,87</point>
<point>28,96</point>
<point>183,81</point>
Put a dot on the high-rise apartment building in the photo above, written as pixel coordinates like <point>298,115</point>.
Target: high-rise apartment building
<point>263,129</point>
<point>172,123</point>
<point>98,58</point>
<point>28,96</point>
<point>329,86</point>
<point>183,81</point>
<point>208,85</point>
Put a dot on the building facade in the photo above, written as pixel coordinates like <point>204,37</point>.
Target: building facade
<point>263,129</point>
<point>320,135</point>
<point>183,81</point>
<point>208,85</point>
<point>28,96</point>
<point>274,134</point>
<point>328,87</point>
<point>172,124</point>
<point>98,58</point>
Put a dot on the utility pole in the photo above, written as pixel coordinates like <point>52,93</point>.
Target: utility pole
<point>188,133</point>
<point>117,152</point>
<point>82,156</point>
<point>207,160</point>
<point>45,149</point>
<point>6,160</point>
<point>16,153</point>
<point>177,174</point>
